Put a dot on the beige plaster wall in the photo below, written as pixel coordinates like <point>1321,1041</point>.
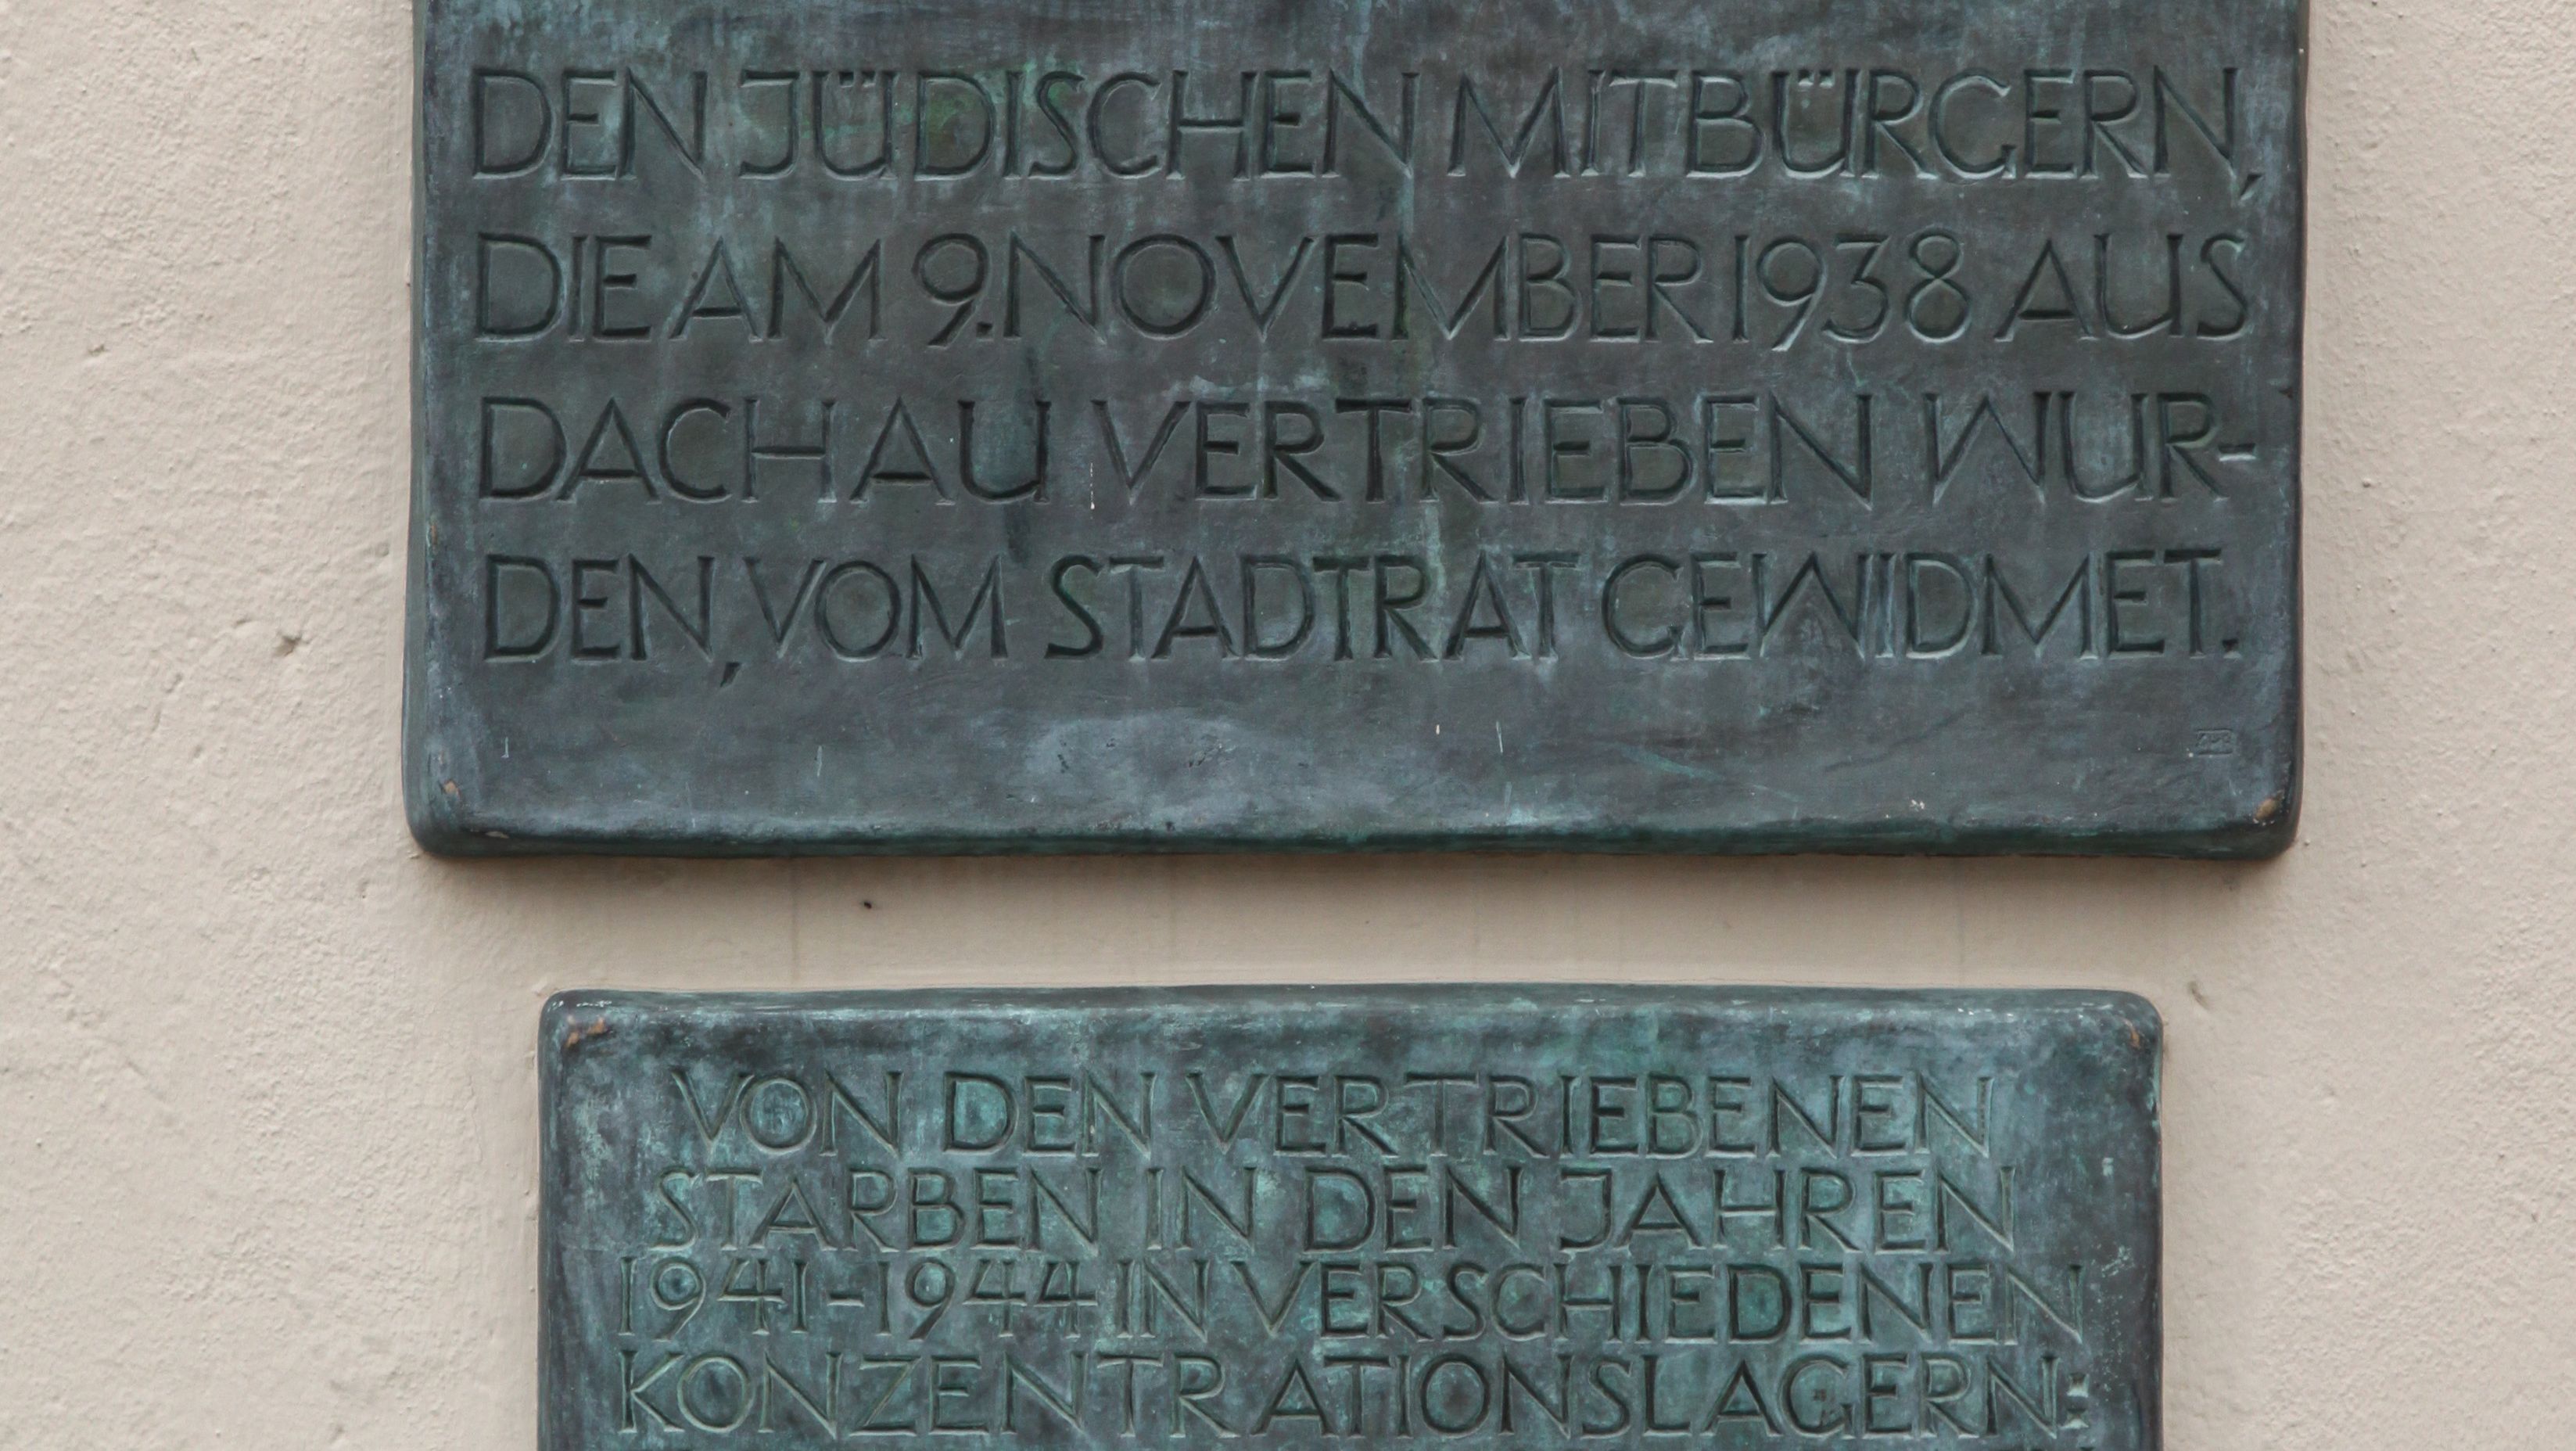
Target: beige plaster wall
<point>267,1103</point>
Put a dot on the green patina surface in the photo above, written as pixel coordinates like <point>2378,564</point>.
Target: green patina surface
<point>1391,1216</point>
<point>1320,425</point>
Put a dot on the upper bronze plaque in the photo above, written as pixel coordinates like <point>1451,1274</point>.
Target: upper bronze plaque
<point>1129,424</point>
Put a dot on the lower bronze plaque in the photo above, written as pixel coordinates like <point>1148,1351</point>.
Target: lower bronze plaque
<point>1180,424</point>
<point>1420,1217</point>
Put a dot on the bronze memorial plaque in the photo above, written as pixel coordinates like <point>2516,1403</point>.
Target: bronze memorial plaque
<point>1725,425</point>
<point>1552,1218</point>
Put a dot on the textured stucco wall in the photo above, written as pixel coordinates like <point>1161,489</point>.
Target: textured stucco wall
<point>267,1102</point>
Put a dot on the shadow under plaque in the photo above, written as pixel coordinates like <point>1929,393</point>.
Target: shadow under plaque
<point>1426,1215</point>
<point>1244,424</point>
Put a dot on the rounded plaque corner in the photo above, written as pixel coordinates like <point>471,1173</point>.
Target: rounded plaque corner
<point>2269,831</point>
<point>570,1018</point>
<point>552,1017</point>
<point>445,819</point>
<point>2137,1020</point>
<point>434,832</point>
